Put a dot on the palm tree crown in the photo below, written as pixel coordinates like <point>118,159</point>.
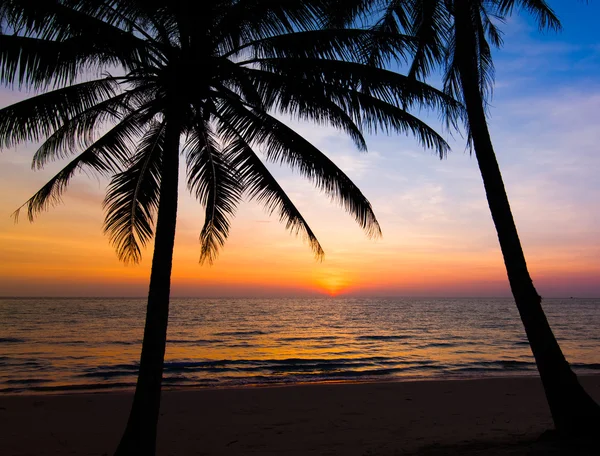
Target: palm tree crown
<point>223,78</point>
<point>433,24</point>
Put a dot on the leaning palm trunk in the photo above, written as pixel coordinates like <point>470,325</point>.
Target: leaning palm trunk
<point>140,434</point>
<point>573,410</point>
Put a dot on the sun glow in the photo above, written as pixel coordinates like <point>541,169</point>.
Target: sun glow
<point>333,283</point>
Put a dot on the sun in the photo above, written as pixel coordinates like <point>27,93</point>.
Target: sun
<point>333,291</point>
<point>333,283</point>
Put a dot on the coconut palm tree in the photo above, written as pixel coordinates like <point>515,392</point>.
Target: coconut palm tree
<point>125,87</point>
<point>458,35</point>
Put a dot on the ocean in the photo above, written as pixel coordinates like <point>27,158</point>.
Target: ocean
<point>74,344</point>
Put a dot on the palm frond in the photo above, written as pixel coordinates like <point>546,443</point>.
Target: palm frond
<point>387,85</point>
<point>308,103</point>
<point>539,9</point>
<point>80,22</point>
<point>80,131</point>
<point>451,82</point>
<point>281,144</point>
<point>396,16</point>
<point>247,20</point>
<point>260,185</point>
<point>484,58</point>
<point>492,31</point>
<point>239,84</point>
<point>393,17</point>
<point>385,94</point>
<point>39,64</point>
<point>132,198</point>
<point>430,25</point>
<point>107,155</point>
<point>213,181</point>
<point>341,44</point>
<point>38,117</point>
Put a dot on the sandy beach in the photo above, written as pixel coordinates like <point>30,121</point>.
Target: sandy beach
<point>483,416</point>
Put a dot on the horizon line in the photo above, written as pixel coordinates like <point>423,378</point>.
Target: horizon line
<point>324,295</point>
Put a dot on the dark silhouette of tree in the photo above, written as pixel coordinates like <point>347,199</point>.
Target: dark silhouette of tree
<point>458,35</point>
<point>126,86</point>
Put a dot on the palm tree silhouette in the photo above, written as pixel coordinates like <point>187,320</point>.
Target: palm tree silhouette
<point>208,83</point>
<point>459,36</point>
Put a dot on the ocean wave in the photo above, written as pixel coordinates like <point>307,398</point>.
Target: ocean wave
<point>257,367</point>
<point>11,340</point>
<point>108,374</point>
<point>240,333</point>
<point>69,387</point>
<point>439,345</point>
<point>592,366</point>
<point>302,339</point>
<point>510,365</point>
<point>27,381</point>
<point>382,337</point>
<point>193,341</point>
<point>522,343</point>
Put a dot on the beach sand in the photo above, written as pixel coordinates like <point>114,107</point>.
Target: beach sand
<point>484,416</point>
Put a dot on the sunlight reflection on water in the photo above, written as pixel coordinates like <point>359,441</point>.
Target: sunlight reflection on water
<point>54,344</point>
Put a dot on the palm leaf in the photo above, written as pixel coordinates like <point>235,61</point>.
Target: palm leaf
<point>132,198</point>
<point>38,117</point>
<point>105,156</point>
<point>492,31</point>
<point>79,132</point>
<point>388,86</point>
<point>281,144</point>
<point>87,20</point>
<point>340,44</point>
<point>260,185</point>
<point>213,181</point>
<point>539,9</point>
<point>302,100</point>
<point>393,18</point>
<point>374,106</point>
<point>484,59</point>
<point>430,25</point>
<point>247,20</point>
<point>39,64</point>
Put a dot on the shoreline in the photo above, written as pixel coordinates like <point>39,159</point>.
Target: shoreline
<point>129,389</point>
<point>345,418</point>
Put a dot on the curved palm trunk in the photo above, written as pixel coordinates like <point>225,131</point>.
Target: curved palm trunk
<point>140,434</point>
<point>573,410</point>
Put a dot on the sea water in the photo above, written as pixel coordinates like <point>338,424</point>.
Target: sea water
<point>58,344</point>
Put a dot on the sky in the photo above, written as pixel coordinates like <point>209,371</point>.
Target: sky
<point>438,237</point>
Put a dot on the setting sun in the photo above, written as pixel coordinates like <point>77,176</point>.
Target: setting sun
<point>333,282</point>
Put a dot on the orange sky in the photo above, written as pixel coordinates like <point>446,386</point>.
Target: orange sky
<point>64,253</point>
<point>438,238</point>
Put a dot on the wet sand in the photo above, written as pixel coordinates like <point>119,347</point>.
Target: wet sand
<point>483,416</point>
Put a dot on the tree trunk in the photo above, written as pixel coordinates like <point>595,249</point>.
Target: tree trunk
<point>139,438</point>
<point>574,412</point>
